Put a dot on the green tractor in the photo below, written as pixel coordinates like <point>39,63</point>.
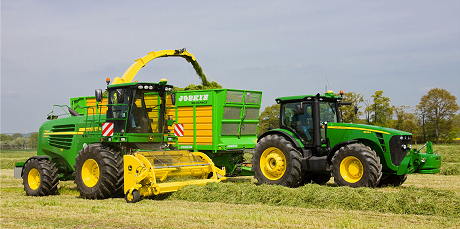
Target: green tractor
<point>313,144</point>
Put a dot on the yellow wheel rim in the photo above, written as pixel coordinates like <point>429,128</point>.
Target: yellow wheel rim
<point>273,163</point>
<point>90,173</point>
<point>129,196</point>
<point>351,169</point>
<point>33,179</point>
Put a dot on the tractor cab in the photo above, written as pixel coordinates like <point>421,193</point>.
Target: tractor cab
<point>136,111</point>
<point>308,116</point>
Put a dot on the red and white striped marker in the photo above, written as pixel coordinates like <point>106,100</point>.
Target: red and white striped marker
<point>107,129</point>
<point>179,130</point>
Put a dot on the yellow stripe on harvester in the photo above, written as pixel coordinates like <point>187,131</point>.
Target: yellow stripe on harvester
<point>64,133</point>
<point>356,128</point>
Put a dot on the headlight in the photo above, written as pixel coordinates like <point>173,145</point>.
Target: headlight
<point>140,86</point>
<point>404,147</point>
<point>146,87</point>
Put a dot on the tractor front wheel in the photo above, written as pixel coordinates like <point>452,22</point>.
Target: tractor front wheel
<point>356,165</point>
<point>276,161</point>
<point>40,177</point>
<point>99,172</point>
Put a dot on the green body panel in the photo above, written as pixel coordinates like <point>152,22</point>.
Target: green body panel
<point>62,139</point>
<point>367,134</point>
<point>235,115</point>
<point>290,133</point>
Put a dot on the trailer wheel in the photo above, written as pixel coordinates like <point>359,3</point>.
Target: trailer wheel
<point>40,178</point>
<point>356,165</point>
<point>276,161</point>
<point>99,172</point>
<point>392,180</point>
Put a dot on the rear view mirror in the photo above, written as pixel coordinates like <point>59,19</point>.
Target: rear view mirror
<point>356,110</point>
<point>98,94</point>
<point>173,99</point>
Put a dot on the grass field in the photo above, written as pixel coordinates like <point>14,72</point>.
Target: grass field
<point>424,201</point>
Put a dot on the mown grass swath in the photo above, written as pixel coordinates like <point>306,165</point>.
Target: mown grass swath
<point>403,200</point>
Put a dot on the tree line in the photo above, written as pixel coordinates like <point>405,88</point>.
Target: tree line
<point>434,118</point>
<point>18,141</point>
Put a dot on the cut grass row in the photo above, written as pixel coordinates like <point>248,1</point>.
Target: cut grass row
<point>402,200</point>
<point>417,197</point>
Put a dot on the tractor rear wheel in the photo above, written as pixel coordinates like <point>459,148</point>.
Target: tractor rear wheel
<point>99,172</point>
<point>276,161</point>
<point>392,180</point>
<point>356,165</point>
<point>40,177</point>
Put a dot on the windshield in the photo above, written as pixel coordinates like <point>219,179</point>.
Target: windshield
<point>328,112</point>
<point>144,113</point>
<point>299,119</point>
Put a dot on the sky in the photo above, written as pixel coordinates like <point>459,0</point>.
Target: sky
<point>54,50</point>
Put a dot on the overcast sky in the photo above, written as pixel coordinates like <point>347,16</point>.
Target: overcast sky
<point>54,50</point>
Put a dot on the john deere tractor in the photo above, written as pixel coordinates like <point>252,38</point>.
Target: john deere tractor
<point>313,144</point>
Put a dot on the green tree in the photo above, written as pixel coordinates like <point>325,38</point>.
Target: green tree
<point>406,121</point>
<point>380,111</point>
<point>269,118</point>
<point>348,112</point>
<point>33,140</point>
<point>437,110</point>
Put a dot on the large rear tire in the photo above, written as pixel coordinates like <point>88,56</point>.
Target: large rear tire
<point>40,177</point>
<point>276,161</point>
<point>392,180</point>
<point>356,165</point>
<point>99,172</point>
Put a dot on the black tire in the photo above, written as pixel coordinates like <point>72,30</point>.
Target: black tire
<point>47,176</point>
<point>371,167</point>
<point>392,180</point>
<point>110,179</point>
<point>136,197</point>
<point>293,170</point>
<point>317,178</point>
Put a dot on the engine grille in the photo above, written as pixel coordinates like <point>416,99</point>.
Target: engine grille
<point>62,141</point>
<point>396,151</point>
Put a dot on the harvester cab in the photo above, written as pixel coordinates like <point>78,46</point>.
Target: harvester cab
<point>313,144</point>
<point>136,110</point>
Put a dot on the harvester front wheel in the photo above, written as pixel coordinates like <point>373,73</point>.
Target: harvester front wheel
<point>133,196</point>
<point>99,172</point>
<point>276,161</point>
<point>392,180</point>
<point>40,177</point>
<point>356,165</point>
